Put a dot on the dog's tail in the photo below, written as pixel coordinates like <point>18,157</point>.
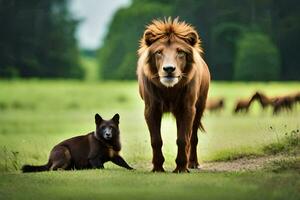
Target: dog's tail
<point>32,168</point>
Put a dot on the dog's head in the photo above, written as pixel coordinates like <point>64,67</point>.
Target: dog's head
<point>108,130</point>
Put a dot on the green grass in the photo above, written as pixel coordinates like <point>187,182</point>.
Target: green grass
<point>118,184</point>
<point>36,115</point>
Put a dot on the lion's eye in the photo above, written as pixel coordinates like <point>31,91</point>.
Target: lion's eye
<point>181,54</point>
<point>158,53</point>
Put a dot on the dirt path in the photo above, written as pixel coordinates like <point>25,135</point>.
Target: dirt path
<point>243,164</point>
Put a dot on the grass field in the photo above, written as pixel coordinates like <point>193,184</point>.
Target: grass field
<point>35,115</point>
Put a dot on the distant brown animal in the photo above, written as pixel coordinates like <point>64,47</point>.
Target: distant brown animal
<point>214,105</point>
<point>283,103</point>
<point>278,103</point>
<point>296,97</point>
<point>87,151</point>
<point>242,106</point>
<point>174,78</point>
<point>263,99</point>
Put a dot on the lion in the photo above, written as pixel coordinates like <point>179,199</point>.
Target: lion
<point>173,77</point>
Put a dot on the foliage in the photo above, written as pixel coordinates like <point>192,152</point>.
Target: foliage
<point>257,58</point>
<point>290,144</point>
<point>221,23</point>
<point>37,39</point>
<point>117,57</point>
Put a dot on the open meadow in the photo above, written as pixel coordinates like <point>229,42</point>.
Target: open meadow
<point>35,115</point>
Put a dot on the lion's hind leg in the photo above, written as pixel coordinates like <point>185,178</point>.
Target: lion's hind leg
<point>60,158</point>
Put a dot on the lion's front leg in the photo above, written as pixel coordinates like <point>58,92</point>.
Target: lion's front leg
<point>153,115</point>
<point>184,120</point>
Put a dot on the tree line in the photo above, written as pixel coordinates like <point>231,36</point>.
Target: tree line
<point>37,39</point>
<point>242,40</point>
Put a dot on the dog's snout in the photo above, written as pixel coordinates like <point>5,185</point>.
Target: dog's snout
<point>107,133</point>
<point>169,69</point>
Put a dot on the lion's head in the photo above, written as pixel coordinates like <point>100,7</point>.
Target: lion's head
<point>167,51</point>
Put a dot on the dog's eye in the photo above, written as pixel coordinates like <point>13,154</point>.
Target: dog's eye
<point>181,53</point>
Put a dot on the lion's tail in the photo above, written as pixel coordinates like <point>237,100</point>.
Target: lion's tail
<point>199,113</point>
<point>32,168</point>
<point>201,127</point>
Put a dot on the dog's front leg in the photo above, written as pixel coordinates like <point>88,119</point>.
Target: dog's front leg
<point>118,160</point>
<point>97,162</point>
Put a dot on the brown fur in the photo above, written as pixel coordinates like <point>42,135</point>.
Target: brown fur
<point>283,103</point>
<point>296,97</point>
<point>86,151</point>
<point>263,99</point>
<point>178,43</point>
<point>214,105</point>
<point>242,105</point>
<point>278,103</point>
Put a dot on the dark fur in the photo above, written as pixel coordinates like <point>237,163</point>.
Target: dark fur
<point>297,97</point>
<point>186,100</point>
<point>283,103</point>
<point>87,151</point>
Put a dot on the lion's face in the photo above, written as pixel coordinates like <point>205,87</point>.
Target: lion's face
<point>170,59</point>
<point>167,52</point>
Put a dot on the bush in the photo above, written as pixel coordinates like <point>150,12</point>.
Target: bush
<point>257,58</point>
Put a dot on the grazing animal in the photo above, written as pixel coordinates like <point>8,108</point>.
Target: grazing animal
<point>283,103</point>
<point>174,78</point>
<point>297,97</point>
<point>242,105</point>
<point>214,105</point>
<point>263,99</point>
<point>86,151</point>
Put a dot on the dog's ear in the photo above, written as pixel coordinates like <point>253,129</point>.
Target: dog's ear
<point>116,118</point>
<point>192,38</point>
<point>149,37</point>
<point>98,119</point>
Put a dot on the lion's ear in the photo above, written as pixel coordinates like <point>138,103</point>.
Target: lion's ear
<point>192,38</point>
<point>149,37</point>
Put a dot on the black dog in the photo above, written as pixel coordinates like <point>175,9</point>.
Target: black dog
<point>87,151</point>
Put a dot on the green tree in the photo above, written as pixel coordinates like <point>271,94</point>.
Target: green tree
<point>117,57</point>
<point>38,39</point>
<point>220,24</point>
<point>257,58</point>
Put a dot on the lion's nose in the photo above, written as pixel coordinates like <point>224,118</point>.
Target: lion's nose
<point>169,69</point>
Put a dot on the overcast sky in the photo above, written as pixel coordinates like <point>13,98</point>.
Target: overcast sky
<point>96,14</point>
